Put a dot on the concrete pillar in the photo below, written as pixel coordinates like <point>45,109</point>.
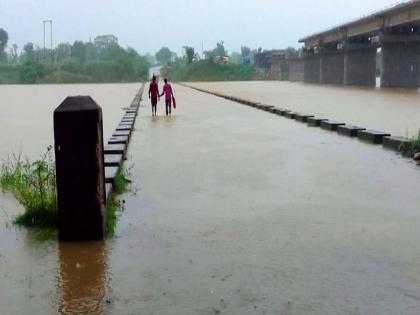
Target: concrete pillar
<point>284,70</point>
<point>311,69</point>
<point>331,67</point>
<point>360,65</point>
<point>279,68</point>
<point>400,61</point>
<point>296,69</point>
<point>80,169</point>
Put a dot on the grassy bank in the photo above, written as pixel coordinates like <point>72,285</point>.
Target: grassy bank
<point>34,186</point>
<point>205,70</point>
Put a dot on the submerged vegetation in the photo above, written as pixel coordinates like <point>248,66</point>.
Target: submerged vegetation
<point>34,186</point>
<point>112,204</point>
<point>412,147</point>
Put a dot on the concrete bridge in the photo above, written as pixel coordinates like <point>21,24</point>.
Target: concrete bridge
<point>346,54</point>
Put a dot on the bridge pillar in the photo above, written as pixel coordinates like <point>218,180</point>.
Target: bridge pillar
<point>279,68</point>
<point>296,69</point>
<point>360,64</point>
<point>331,66</point>
<point>284,70</point>
<point>400,60</point>
<point>311,69</point>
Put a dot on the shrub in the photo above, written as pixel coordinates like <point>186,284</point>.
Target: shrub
<point>412,147</point>
<point>33,185</point>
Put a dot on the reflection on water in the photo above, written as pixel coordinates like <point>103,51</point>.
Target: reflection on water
<point>82,277</point>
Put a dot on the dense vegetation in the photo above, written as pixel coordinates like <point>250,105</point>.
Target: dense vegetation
<point>34,186</point>
<point>217,65</point>
<point>412,147</point>
<point>102,60</point>
<point>205,70</point>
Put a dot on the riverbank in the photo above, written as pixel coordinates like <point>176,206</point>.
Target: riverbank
<point>75,72</point>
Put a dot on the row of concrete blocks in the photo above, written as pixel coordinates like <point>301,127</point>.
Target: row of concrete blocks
<point>370,136</point>
<point>116,148</point>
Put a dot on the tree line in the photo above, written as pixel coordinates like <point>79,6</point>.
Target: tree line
<point>100,60</point>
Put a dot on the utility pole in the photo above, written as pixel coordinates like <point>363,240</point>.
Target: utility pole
<point>44,39</point>
<point>51,44</point>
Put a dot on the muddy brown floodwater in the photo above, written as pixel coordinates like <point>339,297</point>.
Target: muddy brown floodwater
<point>392,110</point>
<point>233,210</point>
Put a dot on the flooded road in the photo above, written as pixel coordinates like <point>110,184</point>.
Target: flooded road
<point>235,211</point>
<point>392,110</point>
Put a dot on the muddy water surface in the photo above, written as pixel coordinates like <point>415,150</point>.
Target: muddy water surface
<point>43,278</point>
<point>396,111</point>
<point>235,211</point>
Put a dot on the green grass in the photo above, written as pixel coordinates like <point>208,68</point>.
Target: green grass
<point>113,204</point>
<point>412,147</point>
<point>34,186</point>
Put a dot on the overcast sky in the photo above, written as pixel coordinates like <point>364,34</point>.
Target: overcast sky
<point>149,25</point>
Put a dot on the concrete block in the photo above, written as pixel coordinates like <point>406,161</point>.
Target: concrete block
<point>110,173</point>
<point>118,140</point>
<point>277,110</point>
<point>331,125</point>
<point>264,107</point>
<point>349,130</point>
<point>124,127</point>
<point>80,169</point>
<point>125,120</point>
<point>113,159</point>
<point>121,133</point>
<point>302,117</point>
<point>372,136</point>
<point>127,123</point>
<point>115,149</point>
<point>394,143</point>
<point>289,114</point>
<point>315,121</point>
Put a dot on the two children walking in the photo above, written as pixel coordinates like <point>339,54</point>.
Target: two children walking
<point>154,95</point>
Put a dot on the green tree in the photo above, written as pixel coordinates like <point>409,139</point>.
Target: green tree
<point>104,41</point>
<point>246,55</point>
<point>78,51</point>
<point>63,51</point>
<point>220,50</point>
<point>245,52</point>
<point>163,56</point>
<point>235,58</point>
<point>29,52</point>
<point>4,38</point>
<point>190,52</point>
<point>291,52</point>
<point>150,59</point>
<point>13,54</point>
<point>30,71</point>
